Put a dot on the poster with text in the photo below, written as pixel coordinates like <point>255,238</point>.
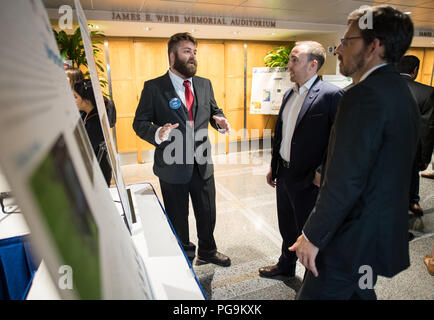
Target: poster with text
<point>268,87</point>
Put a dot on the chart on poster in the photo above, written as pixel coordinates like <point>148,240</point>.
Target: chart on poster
<point>268,87</point>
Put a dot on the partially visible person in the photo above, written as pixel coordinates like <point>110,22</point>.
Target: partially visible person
<point>358,228</point>
<point>300,143</point>
<point>85,99</point>
<point>74,75</point>
<point>429,262</point>
<point>408,66</point>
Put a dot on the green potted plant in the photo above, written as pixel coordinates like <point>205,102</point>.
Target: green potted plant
<point>278,57</point>
<point>71,48</point>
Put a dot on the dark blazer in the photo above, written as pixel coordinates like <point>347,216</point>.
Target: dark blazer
<point>424,96</point>
<point>96,137</point>
<point>310,138</point>
<point>360,217</point>
<point>154,111</point>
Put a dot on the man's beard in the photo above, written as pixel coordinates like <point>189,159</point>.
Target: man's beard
<point>359,62</point>
<point>185,68</point>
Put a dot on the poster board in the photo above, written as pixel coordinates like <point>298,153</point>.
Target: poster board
<point>111,149</point>
<point>75,226</point>
<point>268,87</point>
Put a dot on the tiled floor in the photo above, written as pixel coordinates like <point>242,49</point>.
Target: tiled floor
<point>247,231</point>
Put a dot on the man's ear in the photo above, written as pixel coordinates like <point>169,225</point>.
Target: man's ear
<point>415,72</point>
<point>314,65</point>
<point>171,59</point>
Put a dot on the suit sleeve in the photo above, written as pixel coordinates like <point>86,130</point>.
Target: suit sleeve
<point>427,128</point>
<point>215,110</point>
<point>334,102</point>
<point>143,120</point>
<point>360,122</point>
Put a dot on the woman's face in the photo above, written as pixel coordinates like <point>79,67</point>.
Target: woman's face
<point>78,100</point>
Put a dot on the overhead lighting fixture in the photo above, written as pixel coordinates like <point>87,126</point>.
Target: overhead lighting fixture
<point>147,28</point>
<point>193,30</point>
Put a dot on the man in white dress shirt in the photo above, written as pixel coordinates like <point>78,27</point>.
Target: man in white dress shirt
<point>173,109</point>
<point>299,149</point>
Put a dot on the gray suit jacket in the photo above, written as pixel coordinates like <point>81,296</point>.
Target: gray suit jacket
<point>360,217</point>
<point>174,159</point>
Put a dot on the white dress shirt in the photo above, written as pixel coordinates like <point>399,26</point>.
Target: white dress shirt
<point>178,85</point>
<point>290,115</point>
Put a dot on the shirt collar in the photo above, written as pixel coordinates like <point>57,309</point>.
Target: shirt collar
<point>367,73</point>
<point>177,80</point>
<point>306,87</point>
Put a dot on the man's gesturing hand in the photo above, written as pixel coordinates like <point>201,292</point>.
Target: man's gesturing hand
<point>306,253</point>
<point>223,123</point>
<point>165,131</point>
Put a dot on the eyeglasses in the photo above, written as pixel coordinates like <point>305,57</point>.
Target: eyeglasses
<point>345,40</point>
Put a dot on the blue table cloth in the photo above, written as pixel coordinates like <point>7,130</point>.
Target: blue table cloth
<point>17,268</point>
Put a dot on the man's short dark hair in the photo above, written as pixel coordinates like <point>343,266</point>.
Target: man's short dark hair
<point>393,28</point>
<point>407,64</point>
<point>174,41</point>
<point>315,52</point>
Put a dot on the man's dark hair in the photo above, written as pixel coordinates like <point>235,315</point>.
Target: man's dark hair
<point>407,64</point>
<point>172,45</point>
<point>315,52</point>
<point>393,28</point>
<point>85,91</point>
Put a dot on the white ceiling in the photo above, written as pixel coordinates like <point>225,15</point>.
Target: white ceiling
<point>299,17</point>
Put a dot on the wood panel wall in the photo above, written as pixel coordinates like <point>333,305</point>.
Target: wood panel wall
<point>135,60</point>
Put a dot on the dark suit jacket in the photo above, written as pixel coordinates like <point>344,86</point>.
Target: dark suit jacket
<point>424,96</point>
<point>310,138</point>
<point>360,217</point>
<point>154,111</point>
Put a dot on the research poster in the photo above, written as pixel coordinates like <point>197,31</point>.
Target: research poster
<point>113,156</point>
<point>54,176</point>
<point>268,87</point>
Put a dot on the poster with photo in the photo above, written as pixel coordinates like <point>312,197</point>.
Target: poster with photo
<point>268,87</point>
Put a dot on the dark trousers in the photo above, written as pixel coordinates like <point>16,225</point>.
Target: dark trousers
<point>293,209</point>
<point>414,185</point>
<point>176,201</point>
<point>333,284</point>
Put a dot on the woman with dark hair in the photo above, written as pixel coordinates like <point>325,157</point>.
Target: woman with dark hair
<point>86,103</point>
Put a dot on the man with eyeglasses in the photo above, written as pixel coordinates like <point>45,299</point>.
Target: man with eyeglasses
<point>358,228</point>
